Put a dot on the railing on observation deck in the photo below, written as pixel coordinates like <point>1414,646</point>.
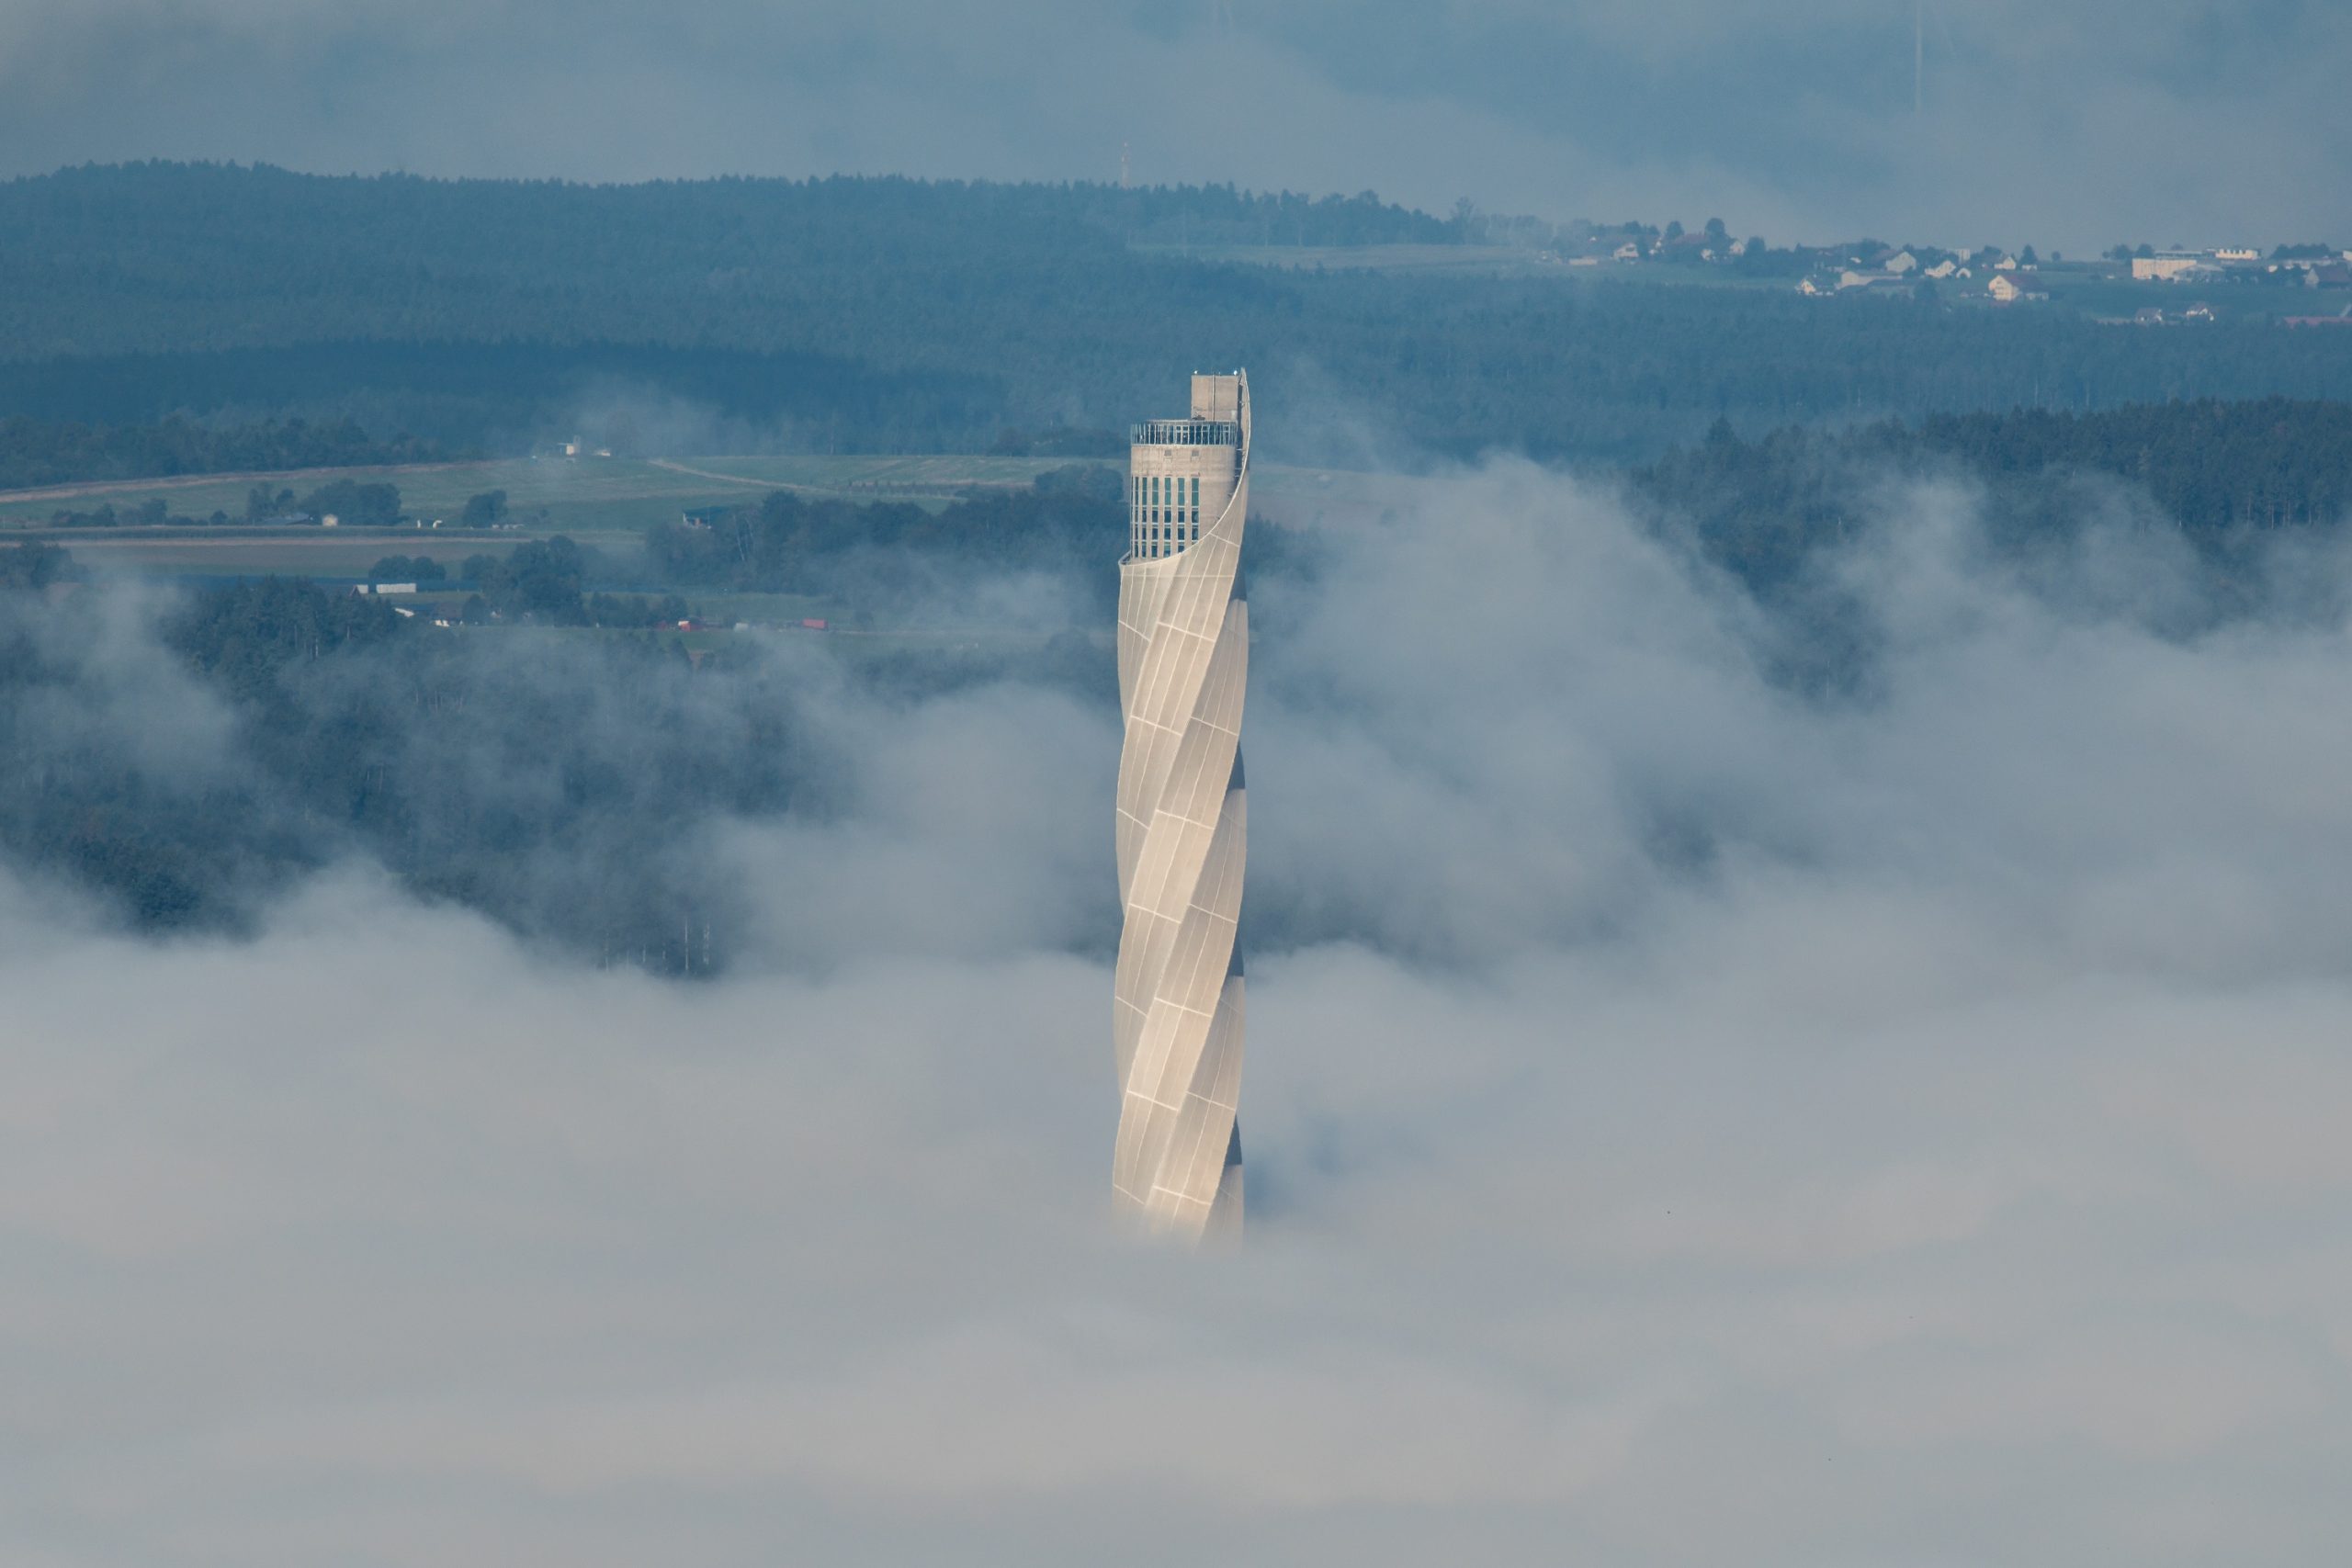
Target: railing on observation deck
<point>1185,433</point>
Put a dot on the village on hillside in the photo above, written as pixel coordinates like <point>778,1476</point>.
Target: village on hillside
<point>2174,280</point>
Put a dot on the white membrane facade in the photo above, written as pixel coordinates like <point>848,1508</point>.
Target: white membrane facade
<point>1184,662</point>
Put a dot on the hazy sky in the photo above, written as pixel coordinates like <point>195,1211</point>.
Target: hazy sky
<point>1903,1126</point>
<point>2063,122</point>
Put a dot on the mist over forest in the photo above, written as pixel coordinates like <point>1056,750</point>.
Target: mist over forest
<point>1796,943</point>
<point>1660,1063</point>
<point>584,790</point>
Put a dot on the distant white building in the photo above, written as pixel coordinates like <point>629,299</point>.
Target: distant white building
<point>2237,255</point>
<point>1902,262</point>
<point>2008,288</point>
<point>2168,266</point>
<point>1944,268</point>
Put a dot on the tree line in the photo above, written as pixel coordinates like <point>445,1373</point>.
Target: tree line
<point>789,543</point>
<point>371,503</point>
<point>35,452</point>
<point>2223,474</point>
<point>897,315</point>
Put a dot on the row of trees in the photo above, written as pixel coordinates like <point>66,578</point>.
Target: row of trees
<point>151,513</point>
<point>347,501</point>
<point>542,581</point>
<point>788,543</point>
<point>35,452</point>
<point>351,502</point>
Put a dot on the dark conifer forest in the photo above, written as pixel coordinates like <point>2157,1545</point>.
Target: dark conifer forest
<point>898,315</point>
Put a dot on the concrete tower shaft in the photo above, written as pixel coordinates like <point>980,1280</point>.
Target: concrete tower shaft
<point>1183,814</point>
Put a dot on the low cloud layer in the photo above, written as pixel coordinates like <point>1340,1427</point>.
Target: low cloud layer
<point>2074,124</point>
<point>1690,1120</point>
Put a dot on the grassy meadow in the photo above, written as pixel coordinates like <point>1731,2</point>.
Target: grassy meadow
<point>605,501</point>
<point>587,491</point>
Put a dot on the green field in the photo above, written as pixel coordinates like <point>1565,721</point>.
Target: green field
<point>1364,258</point>
<point>606,503</point>
<point>587,493</point>
<point>942,475</point>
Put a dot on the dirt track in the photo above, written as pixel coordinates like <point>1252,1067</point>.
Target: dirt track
<point>724,479</point>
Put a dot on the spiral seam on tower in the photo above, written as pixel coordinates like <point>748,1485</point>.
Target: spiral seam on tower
<point>1183,819</point>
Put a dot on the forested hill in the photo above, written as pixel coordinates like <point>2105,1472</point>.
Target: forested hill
<point>163,256</point>
<point>888,313</point>
<point>2222,474</point>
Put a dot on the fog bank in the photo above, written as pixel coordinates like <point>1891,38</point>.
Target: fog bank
<point>1691,1120</point>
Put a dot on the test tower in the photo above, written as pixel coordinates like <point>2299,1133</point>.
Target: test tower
<point>1184,665</point>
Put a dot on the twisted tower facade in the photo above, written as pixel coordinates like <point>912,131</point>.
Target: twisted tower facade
<point>1183,663</point>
